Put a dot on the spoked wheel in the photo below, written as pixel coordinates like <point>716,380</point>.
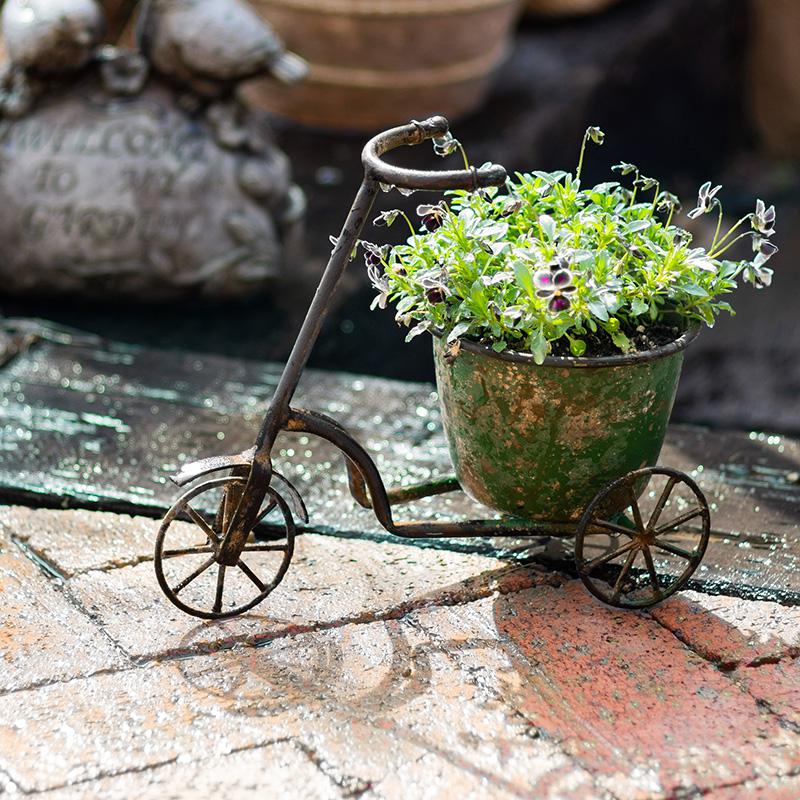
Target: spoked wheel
<point>186,559</point>
<point>641,556</point>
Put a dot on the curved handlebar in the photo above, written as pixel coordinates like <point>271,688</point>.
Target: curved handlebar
<point>432,180</point>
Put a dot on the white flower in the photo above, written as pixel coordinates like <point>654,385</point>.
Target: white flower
<point>764,219</point>
<point>706,200</point>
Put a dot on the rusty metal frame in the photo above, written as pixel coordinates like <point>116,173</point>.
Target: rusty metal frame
<point>376,172</point>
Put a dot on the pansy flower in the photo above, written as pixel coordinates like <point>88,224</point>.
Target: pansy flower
<point>645,183</point>
<point>757,273</point>
<point>595,134</point>
<point>554,285</point>
<point>706,200</point>
<point>386,218</point>
<point>668,202</point>
<point>380,283</point>
<point>445,145</point>
<point>764,219</point>
<point>436,290</point>
<point>432,216</point>
<point>510,206</point>
<point>374,255</point>
<point>764,250</point>
<point>625,168</point>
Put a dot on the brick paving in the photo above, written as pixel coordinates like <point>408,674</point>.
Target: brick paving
<point>378,670</point>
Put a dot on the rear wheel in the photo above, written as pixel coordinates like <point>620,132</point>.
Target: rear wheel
<point>641,556</point>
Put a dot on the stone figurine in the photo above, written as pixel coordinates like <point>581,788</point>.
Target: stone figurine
<point>212,45</point>
<point>141,174</point>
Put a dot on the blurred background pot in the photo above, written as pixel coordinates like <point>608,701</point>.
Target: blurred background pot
<point>118,14</point>
<point>566,8</point>
<point>374,62</point>
<point>774,74</point>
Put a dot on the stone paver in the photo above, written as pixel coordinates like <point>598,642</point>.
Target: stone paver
<point>329,580</point>
<point>370,702</point>
<point>69,732</point>
<point>730,631</point>
<point>277,770</point>
<point>776,685</point>
<point>787,788</point>
<point>386,671</point>
<point>79,540</point>
<point>642,713</point>
<point>43,637</point>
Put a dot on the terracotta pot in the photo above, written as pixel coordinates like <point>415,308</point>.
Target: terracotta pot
<point>374,63</point>
<point>566,8</point>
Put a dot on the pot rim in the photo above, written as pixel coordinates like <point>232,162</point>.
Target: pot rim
<point>586,362</point>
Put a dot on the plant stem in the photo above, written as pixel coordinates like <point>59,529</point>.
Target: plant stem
<point>408,222</point>
<point>464,155</point>
<point>655,200</point>
<point>580,159</point>
<point>717,253</point>
<point>719,225</point>
<point>743,219</point>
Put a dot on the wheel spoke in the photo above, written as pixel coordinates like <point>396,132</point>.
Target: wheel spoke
<point>266,511</point>
<point>189,578</point>
<point>250,574</point>
<point>609,526</point>
<point>589,566</point>
<point>648,559</point>
<point>671,548</point>
<point>662,501</point>
<point>685,517</point>
<point>220,587</point>
<point>637,514</point>
<point>265,548</point>
<point>200,521</point>
<point>623,573</point>
<point>187,551</point>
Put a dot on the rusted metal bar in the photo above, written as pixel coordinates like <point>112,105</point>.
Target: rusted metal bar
<point>376,171</point>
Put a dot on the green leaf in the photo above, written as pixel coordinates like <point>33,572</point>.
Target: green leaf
<point>458,331</point>
<point>621,341</point>
<point>548,226</point>
<point>693,289</point>
<point>539,346</point>
<point>524,278</point>
<point>638,306</point>
<point>598,308</point>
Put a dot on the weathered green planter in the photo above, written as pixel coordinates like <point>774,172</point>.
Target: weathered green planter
<point>539,441</point>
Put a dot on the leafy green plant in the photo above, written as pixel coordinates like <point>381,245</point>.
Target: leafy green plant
<point>547,266</point>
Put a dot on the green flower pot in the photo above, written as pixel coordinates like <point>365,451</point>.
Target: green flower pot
<point>540,441</point>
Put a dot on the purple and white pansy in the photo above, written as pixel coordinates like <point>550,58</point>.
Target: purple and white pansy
<point>555,285</point>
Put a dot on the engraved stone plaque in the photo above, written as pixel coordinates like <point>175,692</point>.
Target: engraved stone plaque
<point>136,197</point>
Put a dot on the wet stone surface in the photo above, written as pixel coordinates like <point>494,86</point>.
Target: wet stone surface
<point>730,631</point>
<point>331,581</point>
<point>85,422</point>
<point>40,626</point>
<point>377,669</point>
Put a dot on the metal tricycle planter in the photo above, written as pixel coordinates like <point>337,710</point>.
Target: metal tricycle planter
<point>627,554</point>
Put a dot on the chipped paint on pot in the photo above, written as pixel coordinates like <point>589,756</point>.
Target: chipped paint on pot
<point>539,441</point>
